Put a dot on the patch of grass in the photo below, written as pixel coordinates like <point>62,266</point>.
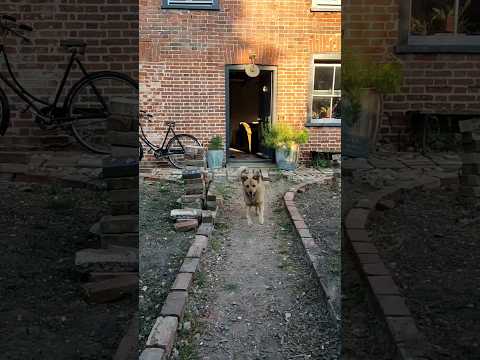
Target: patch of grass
<point>216,244</point>
<point>223,189</point>
<point>187,351</point>
<point>230,287</point>
<point>201,279</point>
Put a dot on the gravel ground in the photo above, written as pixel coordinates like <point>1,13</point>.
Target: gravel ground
<point>320,207</point>
<point>364,334</point>
<point>161,249</point>
<point>42,314</point>
<point>256,297</point>
<point>430,243</point>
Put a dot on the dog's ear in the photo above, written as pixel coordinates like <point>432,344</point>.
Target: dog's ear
<point>244,175</point>
<point>257,175</point>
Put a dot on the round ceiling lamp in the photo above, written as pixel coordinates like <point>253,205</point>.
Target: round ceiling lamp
<point>251,69</point>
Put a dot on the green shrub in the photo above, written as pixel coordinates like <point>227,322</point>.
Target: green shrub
<point>284,136</point>
<point>216,143</point>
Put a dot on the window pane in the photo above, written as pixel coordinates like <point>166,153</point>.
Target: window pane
<point>321,107</point>
<point>338,80</point>
<point>323,79</point>
<point>469,17</point>
<point>431,17</point>
<point>337,108</point>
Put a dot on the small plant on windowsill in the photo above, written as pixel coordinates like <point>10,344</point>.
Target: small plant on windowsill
<point>215,152</point>
<point>286,141</point>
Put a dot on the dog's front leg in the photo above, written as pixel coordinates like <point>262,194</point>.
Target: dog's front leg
<point>247,212</point>
<point>260,213</point>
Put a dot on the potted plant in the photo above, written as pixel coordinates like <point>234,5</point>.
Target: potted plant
<point>363,85</point>
<point>286,141</point>
<point>215,152</point>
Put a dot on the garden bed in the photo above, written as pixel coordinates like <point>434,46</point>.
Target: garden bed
<point>162,250</point>
<point>320,207</point>
<point>432,252</point>
<point>42,311</point>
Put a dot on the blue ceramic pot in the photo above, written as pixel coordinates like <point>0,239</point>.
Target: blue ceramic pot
<point>215,159</point>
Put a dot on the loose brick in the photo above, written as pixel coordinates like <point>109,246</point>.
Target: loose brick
<point>358,235</point>
<point>198,246</point>
<point>205,230</point>
<point>163,333</point>
<point>153,354</point>
<point>186,225</point>
<point>174,304</point>
<point>403,329</point>
<point>182,281</point>
<point>375,269</point>
<point>383,285</point>
<point>369,258</point>
<point>364,248</point>
<point>357,219</point>
<point>190,265</point>
<point>304,233</point>
<point>393,305</point>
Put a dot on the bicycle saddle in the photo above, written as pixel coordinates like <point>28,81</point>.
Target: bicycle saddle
<point>170,123</point>
<point>72,43</point>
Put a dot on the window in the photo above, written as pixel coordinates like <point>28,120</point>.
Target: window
<point>326,93</point>
<point>440,24</point>
<point>191,4</point>
<point>326,5</point>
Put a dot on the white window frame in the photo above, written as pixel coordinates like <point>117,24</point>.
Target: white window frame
<point>324,60</point>
<point>191,4</point>
<point>326,5</point>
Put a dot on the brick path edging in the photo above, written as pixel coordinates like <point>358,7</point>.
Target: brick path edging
<point>310,247</point>
<point>163,334</point>
<point>409,342</point>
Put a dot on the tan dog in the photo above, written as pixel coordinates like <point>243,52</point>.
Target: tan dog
<point>253,193</point>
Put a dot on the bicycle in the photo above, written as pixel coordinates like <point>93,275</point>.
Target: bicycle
<point>87,107</point>
<point>180,150</point>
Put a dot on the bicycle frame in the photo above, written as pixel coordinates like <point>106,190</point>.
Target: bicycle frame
<point>159,151</point>
<point>32,100</point>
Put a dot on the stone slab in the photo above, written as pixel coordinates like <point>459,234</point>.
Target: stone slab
<point>190,265</point>
<point>383,285</point>
<point>393,305</point>
<point>163,333</point>
<point>153,354</point>
<point>175,304</point>
<point>182,281</point>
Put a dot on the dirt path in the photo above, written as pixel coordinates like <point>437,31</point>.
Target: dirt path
<point>259,300</point>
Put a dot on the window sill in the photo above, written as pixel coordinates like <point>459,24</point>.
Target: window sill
<point>325,123</point>
<point>183,7</point>
<point>437,49</point>
<point>326,9</point>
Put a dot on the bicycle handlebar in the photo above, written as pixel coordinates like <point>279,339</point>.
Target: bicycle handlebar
<point>9,24</point>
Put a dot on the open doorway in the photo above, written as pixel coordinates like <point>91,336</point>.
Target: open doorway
<point>250,107</point>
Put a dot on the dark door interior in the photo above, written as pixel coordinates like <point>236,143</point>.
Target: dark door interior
<point>250,110</point>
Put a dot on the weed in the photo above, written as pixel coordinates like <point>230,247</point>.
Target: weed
<point>230,287</point>
<point>201,279</point>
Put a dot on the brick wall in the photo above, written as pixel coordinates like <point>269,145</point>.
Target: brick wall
<point>109,27</point>
<point>433,82</point>
<point>183,56</point>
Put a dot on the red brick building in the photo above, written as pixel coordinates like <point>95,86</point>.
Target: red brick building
<point>192,59</point>
<point>441,57</point>
<point>110,30</point>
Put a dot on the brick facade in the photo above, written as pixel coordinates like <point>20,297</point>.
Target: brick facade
<point>183,54</point>
<point>433,82</point>
<point>109,27</point>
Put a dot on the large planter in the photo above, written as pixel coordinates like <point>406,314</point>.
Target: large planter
<point>287,160</point>
<point>359,135</point>
<point>215,159</point>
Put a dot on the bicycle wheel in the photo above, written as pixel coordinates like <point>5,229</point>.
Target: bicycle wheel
<point>176,150</point>
<point>140,151</point>
<point>4,113</point>
<point>101,102</point>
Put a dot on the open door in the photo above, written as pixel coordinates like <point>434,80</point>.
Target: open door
<point>250,108</point>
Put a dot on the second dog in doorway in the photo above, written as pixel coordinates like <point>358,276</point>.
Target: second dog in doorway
<point>253,188</point>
